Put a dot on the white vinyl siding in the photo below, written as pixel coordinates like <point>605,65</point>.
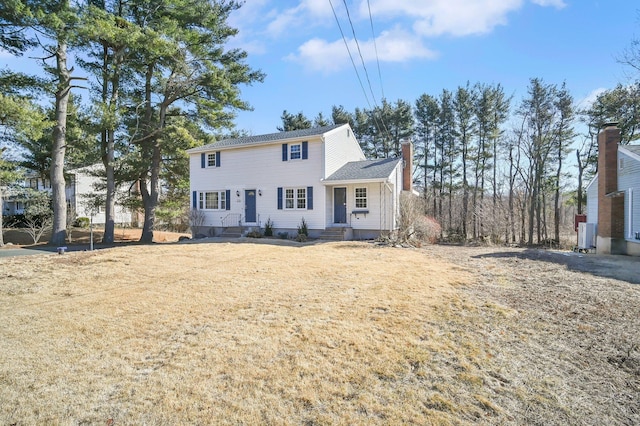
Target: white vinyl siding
<point>592,201</point>
<point>261,168</point>
<point>340,147</point>
<point>629,182</point>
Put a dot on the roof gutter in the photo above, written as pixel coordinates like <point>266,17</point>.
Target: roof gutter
<point>353,181</point>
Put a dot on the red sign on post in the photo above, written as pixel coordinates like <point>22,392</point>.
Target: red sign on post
<point>578,219</point>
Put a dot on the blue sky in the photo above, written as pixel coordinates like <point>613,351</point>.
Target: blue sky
<point>425,46</point>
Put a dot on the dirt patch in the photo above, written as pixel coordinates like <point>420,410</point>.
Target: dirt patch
<point>316,333</point>
<point>561,326</point>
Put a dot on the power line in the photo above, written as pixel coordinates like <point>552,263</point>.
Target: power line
<point>381,124</point>
<point>353,31</point>
<point>375,46</point>
<point>349,51</point>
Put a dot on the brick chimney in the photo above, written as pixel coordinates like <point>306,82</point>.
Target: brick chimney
<point>407,165</point>
<point>610,200</point>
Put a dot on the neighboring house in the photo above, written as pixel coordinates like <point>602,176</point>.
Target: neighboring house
<point>319,175</point>
<point>80,190</point>
<point>613,196</point>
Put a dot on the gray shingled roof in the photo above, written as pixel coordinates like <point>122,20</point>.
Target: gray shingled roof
<point>633,148</point>
<point>367,169</point>
<point>268,138</point>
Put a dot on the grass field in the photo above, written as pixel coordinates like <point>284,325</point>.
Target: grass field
<point>332,333</point>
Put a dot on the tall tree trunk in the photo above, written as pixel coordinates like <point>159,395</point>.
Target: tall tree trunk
<point>151,196</point>
<point>109,153</point>
<point>148,149</point>
<point>532,206</point>
<point>465,189</point>
<point>556,201</point>
<point>58,232</point>
<point>1,216</point>
<point>511,185</point>
<point>433,185</point>
<point>107,156</point>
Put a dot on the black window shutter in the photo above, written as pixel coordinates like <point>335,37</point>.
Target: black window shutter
<point>285,152</point>
<point>195,200</point>
<point>309,197</point>
<point>228,198</point>
<point>305,150</point>
<point>279,198</point>
<point>203,160</point>
<point>217,158</point>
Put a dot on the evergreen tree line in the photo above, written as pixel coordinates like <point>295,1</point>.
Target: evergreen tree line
<point>489,167</point>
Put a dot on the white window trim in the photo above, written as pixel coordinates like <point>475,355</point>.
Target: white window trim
<point>295,198</point>
<point>630,214</point>
<point>299,152</point>
<point>357,198</point>
<point>215,160</point>
<point>222,201</point>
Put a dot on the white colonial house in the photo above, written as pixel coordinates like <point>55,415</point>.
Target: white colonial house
<point>80,193</point>
<point>318,175</point>
<point>613,196</point>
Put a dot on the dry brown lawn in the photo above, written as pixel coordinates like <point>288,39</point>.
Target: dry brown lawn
<point>326,333</point>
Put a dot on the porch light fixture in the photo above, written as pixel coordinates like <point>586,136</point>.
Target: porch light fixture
<point>237,193</point>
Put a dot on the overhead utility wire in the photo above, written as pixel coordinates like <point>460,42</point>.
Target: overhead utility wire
<point>366,73</point>
<point>384,126</point>
<point>350,56</point>
<point>375,46</point>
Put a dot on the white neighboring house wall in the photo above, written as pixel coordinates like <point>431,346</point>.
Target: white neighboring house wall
<point>592,201</point>
<point>13,204</point>
<point>629,182</point>
<point>80,192</point>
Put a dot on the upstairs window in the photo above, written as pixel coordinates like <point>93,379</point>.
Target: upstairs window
<point>296,152</point>
<point>211,159</point>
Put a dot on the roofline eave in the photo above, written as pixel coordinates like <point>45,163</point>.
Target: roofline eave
<point>213,147</point>
<point>354,181</point>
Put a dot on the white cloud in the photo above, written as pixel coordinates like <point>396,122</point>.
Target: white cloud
<point>284,21</point>
<point>307,12</point>
<point>393,46</point>
<point>559,4</point>
<point>588,100</point>
<point>319,8</point>
<point>246,19</point>
<point>447,17</point>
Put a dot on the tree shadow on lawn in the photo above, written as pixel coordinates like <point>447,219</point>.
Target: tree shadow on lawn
<point>624,268</point>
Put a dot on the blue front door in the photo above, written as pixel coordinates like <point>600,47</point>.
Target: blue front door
<point>339,205</point>
<point>250,206</point>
